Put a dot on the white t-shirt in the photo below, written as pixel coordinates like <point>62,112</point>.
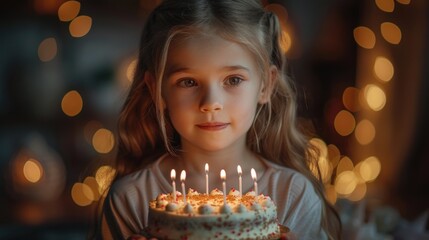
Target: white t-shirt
<point>125,210</point>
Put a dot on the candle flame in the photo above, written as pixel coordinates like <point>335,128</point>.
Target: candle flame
<point>223,174</point>
<point>182,175</point>
<point>207,168</point>
<point>173,174</point>
<point>253,173</point>
<point>239,170</point>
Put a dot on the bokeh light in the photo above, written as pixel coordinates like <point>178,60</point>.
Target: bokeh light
<point>385,5</point>
<point>68,10</point>
<point>406,2</point>
<point>82,194</point>
<point>80,26</point>
<point>375,97</point>
<point>344,123</point>
<point>391,32</point>
<point>33,170</point>
<point>365,132</point>
<point>72,103</point>
<point>103,140</point>
<point>359,192</point>
<point>351,99</point>
<point>345,164</point>
<point>383,69</point>
<point>334,155</point>
<point>369,169</point>
<point>321,155</point>
<point>346,182</point>
<point>364,37</point>
<point>104,176</point>
<point>47,49</point>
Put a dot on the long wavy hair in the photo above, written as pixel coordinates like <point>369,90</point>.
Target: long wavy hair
<point>145,132</point>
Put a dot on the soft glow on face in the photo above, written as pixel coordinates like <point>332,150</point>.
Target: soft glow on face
<point>103,140</point>
<point>351,99</point>
<point>383,69</point>
<point>365,132</point>
<point>33,170</point>
<point>80,26</point>
<point>72,103</point>
<point>375,97</point>
<point>47,49</point>
<point>364,37</point>
<point>344,123</point>
<point>385,5</point>
<point>391,32</point>
<point>68,10</point>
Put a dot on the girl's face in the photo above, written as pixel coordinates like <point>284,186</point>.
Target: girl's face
<point>211,89</point>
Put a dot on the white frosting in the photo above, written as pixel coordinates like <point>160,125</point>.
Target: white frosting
<point>207,217</point>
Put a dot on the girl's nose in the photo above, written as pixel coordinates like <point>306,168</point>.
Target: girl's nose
<point>211,101</point>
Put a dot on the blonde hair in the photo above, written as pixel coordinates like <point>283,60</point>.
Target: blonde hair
<point>145,132</point>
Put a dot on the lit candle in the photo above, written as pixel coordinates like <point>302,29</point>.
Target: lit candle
<point>173,182</point>
<point>240,184</point>
<point>223,177</point>
<point>207,178</point>
<point>182,178</point>
<point>254,177</point>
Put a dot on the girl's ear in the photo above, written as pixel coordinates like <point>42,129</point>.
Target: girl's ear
<point>268,86</point>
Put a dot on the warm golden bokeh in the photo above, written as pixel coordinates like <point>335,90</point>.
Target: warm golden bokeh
<point>375,97</point>
<point>47,49</point>
<point>385,5</point>
<point>80,26</point>
<point>345,164</point>
<point>406,2</point>
<point>103,140</point>
<point>82,194</point>
<point>104,176</point>
<point>364,37</point>
<point>334,155</point>
<point>72,103</point>
<point>344,123</point>
<point>391,32</point>
<point>68,10</point>
<point>33,170</point>
<point>365,132</point>
<point>351,99</point>
<point>346,182</point>
<point>383,69</point>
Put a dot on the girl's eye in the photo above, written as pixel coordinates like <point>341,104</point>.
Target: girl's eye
<point>187,83</point>
<point>233,81</point>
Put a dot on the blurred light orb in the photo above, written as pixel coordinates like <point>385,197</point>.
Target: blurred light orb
<point>72,103</point>
<point>80,26</point>
<point>82,194</point>
<point>351,99</point>
<point>345,164</point>
<point>285,42</point>
<point>364,37</point>
<point>330,193</point>
<point>405,2</point>
<point>68,11</point>
<point>346,183</point>
<point>131,69</point>
<point>391,32</point>
<point>104,176</point>
<point>369,169</point>
<point>383,69</point>
<point>33,170</point>
<point>47,49</point>
<point>344,123</point>
<point>103,140</point>
<point>93,184</point>
<point>321,154</point>
<point>365,132</point>
<point>358,193</point>
<point>334,155</point>
<point>385,5</point>
<point>375,97</point>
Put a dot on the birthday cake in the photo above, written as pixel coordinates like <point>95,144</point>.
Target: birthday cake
<point>206,216</point>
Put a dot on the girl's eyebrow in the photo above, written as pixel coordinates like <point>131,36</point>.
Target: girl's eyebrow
<point>178,68</point>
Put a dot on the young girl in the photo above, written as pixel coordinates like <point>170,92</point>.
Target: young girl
<point>210,87</point>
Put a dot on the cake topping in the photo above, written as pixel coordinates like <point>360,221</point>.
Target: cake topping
<point>215,192</point>
<point>205,209</point>
<point>234,192</point>
<point>188,208</point>
<point>225,209</point>
<point>240,208</point>
<point>192,192</point>
<point>161,201</point>
<point>171,207</point>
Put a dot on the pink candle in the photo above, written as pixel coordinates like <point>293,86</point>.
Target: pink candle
<point>223,177</point>
<point>182,178</point>
<point>255,179</point>
<point>173,182</point>
<point>207,178</point>
<point>240,184</point>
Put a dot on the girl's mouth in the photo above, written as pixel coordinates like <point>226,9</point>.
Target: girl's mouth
<point>212,126</point>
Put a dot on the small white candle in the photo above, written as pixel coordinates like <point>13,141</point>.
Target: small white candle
<point>182,178</point>
<point>207,178</point>
<point>223,177</point>
<point>240,184</point>
<point>173,182</point>
<point>255,179</point>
